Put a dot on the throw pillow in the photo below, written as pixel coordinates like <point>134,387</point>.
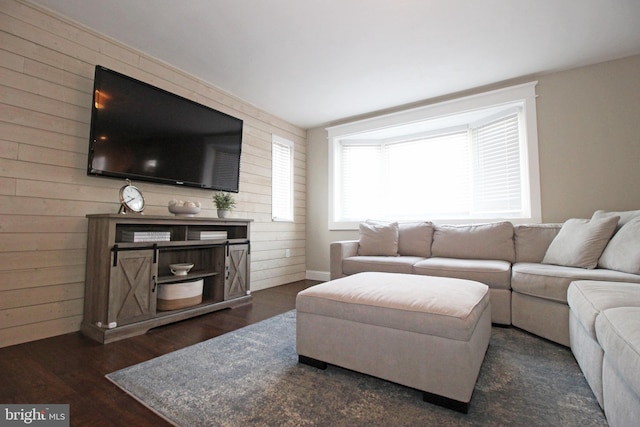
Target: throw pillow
<point>623,251</point>
<point>580,242</point>
<point>378,239</point>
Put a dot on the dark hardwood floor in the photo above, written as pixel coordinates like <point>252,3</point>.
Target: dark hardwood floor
<point>70,368</point>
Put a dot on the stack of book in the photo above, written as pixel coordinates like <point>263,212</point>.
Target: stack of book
<point>207,235</point>
<point>146,236</point>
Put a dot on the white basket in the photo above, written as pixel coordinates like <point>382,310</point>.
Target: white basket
<point>172,296</point>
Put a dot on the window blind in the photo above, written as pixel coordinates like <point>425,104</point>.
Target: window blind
<point>497,177</point>
<point>429,176</point>
<point>282,180</point>
<point>361,172</point>
<point>470,172</point>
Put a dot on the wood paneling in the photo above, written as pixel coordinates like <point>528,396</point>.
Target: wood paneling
<point>46,78</point>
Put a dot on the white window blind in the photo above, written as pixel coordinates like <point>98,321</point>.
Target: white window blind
<point>362,179</point>
<point>429,177</point>
<point>282,179</point>
<point>497,175</point>
<point>473,172</point>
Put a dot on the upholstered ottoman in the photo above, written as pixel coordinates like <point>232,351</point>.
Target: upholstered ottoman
<point>428,333</point>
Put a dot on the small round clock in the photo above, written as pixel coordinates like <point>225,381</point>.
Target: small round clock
<point>131,199</point>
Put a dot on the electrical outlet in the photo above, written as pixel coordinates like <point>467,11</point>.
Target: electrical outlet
<point>287,253</point>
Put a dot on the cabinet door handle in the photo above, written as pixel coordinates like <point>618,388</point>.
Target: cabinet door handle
<point>115,255</point>
<point>153,279</point>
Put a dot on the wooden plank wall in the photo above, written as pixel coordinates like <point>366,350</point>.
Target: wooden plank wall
<point>46,79</point>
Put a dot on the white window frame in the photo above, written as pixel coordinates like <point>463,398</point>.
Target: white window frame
<point>284,213</point>
<point>448,114</point>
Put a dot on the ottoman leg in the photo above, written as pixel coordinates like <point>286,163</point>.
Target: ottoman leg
<point>312,362</point>
<point>445,402</point>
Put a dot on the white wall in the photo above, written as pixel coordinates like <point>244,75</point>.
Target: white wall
<point>588,143</point>
<point>46,80</point>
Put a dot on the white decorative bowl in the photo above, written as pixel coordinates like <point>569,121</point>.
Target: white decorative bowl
<point>180,269</point>
<point>184,210</point>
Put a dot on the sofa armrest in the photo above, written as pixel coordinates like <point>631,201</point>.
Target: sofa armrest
<point>339,251</point>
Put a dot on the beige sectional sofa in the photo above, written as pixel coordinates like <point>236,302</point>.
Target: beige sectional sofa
<point>520,265</point>
<point>605,340</point>
<point>529,270</point>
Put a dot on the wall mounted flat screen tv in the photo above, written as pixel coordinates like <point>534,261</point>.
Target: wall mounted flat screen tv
<point>141,132</point>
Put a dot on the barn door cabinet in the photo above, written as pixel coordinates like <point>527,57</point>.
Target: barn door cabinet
<point>128,259</point>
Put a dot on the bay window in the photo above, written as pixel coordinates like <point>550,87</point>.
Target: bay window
<point>468,160</point>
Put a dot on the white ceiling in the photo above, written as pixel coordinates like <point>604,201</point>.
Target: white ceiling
<point>313,62</point>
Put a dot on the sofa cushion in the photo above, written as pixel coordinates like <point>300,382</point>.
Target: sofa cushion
<point>378,239</point>
<point>552,281</point>
<point>494,273</point>
<point>618,332</point>
<point>588,298</point>
<point>625,216</point>
<point>623,250</point>
<point>533,240</point>
<point>360,264</point>
<point>414,238</point>
<point>478,241</point>
<point>580,242</point>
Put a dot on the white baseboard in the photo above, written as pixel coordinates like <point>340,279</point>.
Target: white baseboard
<point>323,276</point>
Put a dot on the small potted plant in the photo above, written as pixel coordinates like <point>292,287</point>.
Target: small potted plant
<point>224,203</point>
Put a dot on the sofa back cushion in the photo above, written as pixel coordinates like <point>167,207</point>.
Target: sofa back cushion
<point>477,241</point>
<point>533,240</point>
<point>625,216</point>
<point>414,239</point>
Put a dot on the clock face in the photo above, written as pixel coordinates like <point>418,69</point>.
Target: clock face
<point>132,198</point>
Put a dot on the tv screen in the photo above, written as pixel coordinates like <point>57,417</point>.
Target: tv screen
<point>141,132</point>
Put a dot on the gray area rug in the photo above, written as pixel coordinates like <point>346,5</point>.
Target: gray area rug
<point>251,377</point>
